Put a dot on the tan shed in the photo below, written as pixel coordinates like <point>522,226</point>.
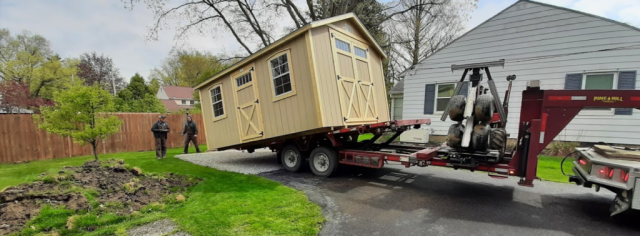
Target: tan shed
<point>326,75</point>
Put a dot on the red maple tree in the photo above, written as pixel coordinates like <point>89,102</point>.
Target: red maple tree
<point>15,95</point>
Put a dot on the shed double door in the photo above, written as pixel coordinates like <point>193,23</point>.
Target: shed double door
<point>355,85</point>
<point>247,101</point>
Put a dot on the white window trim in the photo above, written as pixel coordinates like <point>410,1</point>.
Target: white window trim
<point>609,112</point>
<point>291,73</point>
<point>435,99</point>
<point>224,112</point>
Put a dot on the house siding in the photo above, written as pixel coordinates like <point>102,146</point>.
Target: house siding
<point>521,33</point>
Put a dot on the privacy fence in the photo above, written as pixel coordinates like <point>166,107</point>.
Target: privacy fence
<point>21,140</point>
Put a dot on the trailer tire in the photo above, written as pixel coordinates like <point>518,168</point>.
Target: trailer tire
<point>456,107</point>
<point>480,137</point>
<point>454,136</point>
<point>498,139</point>
<point>483,108</point>
<point>292,158</point>
<point>323,161</point>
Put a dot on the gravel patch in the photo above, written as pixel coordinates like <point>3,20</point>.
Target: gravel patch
<point>261,161</point>
<point>158,228</point>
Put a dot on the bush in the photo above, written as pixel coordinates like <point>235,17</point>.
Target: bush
<point>560,148</point>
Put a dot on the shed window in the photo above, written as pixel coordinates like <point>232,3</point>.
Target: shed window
<point>360,52</point>
<point>342,45</point>
<point>444,93</point>
<point>216,100</point>
<point>246,78</point>
<point>280,75</point>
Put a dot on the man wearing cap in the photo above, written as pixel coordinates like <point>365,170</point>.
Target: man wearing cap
<point>160,130</point>
<point>191,130</point>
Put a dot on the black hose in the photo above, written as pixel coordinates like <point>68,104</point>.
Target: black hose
<point>562,163</point>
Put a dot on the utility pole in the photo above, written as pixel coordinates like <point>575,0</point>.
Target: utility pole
<point>73,82</point>
<point>113,81</point>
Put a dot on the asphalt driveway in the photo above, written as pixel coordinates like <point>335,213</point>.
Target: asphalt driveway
<point>439,201</point>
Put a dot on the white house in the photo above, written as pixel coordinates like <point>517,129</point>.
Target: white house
<point>563,48</point>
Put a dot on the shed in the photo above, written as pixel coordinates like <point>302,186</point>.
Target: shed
<point>326,75</point>
<point>561,47</point>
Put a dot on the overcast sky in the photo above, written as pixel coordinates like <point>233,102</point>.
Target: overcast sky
<point>105,26</point>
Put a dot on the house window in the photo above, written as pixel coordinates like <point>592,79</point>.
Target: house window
<point>246,78</point>
<point>192,102</point>
<point>601,81</point>
<point>184,102</point>
<point>443,95</point>
<point>360,52</point>
<point>280,75</point>
<point>216,100</point>
<point>342,45</point>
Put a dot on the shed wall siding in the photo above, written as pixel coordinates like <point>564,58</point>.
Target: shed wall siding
<point>292,114</point>
<point>285,116</point>
<point>221,132</point>
<point>524,31</point>
<point>326,80</point>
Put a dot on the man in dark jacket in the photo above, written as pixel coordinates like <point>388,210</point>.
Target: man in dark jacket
<point>160,130</point>
<point>191,130</point>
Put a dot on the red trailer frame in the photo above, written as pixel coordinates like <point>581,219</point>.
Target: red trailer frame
<point>543,115</point>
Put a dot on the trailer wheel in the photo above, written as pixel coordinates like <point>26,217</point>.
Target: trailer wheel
<point>291,158</point>
<point>456,107</point>
<point>498,139</point>
<point>483,108</point>
<point>480,137</point>
<point>454,136</point>
<point>323,161</point>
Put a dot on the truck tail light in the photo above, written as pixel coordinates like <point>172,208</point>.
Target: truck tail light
<point>624,175</point>
<point>610,173</point>
<point>601,171</point>
<point>582,162</point>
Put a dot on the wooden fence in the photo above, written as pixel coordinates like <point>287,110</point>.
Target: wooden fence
<point>21,140</point>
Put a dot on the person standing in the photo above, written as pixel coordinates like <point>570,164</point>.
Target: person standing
<point>160,130</point>
<point>191,130</point>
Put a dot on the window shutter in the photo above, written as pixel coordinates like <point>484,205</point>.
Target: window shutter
<point>626,80</point>
<point>573,82</point>
<point>465,88</point>
<point>429,98</point>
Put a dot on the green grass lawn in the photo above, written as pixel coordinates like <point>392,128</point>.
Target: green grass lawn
<point>223,203</point>
<point>549,169</point>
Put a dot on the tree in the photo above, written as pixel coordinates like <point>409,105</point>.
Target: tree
<point>15,95</point>
<point>154,85</point>
<point>197,108</point>
<point>427,26</point>
<point>83,113</point>
<point>27,59</point>
<point>183,67</point>
<point>99,70</point>
<point>138,97</point>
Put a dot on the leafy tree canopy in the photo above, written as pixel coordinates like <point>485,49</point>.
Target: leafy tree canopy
<point>138,97</point>
<point>83,113</point>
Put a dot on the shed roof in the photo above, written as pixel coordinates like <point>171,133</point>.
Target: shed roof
<point>178,92</point>
<point>292,35</point>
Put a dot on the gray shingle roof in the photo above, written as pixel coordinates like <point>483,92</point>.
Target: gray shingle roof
<point>398,88</point>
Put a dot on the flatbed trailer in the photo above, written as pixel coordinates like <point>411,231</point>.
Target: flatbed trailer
<point>543,115</point>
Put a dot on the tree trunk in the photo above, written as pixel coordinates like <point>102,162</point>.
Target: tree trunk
<point>95,153</point>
